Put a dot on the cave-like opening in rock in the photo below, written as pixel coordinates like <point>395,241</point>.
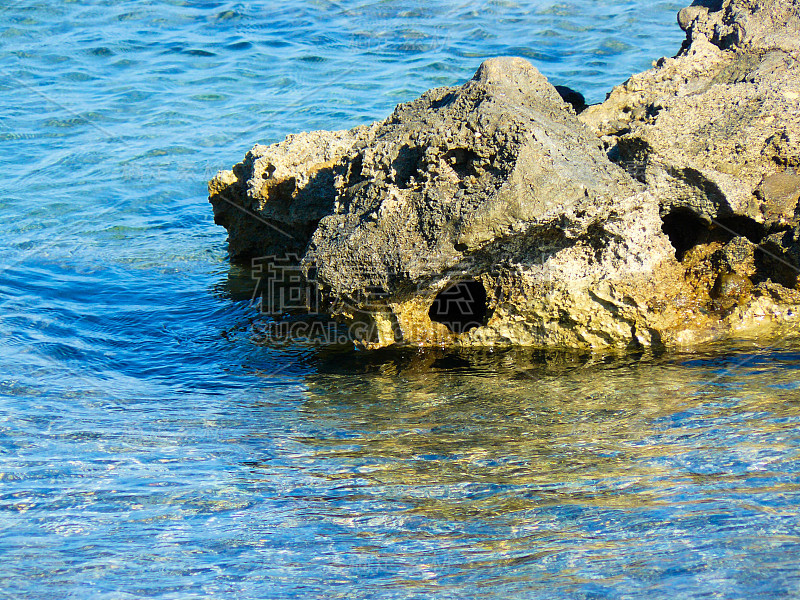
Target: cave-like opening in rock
<point>461,306</point>
<point>684,229</point>
<point>406,165</point>
<point>737,225</point>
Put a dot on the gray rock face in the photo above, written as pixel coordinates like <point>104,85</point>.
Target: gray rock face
<point>453,180</point>
<point>491,214</point>
<point>271,202</point>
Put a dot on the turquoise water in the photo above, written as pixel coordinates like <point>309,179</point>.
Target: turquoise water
<point>151,447</point>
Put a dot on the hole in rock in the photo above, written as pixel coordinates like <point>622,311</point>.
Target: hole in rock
<point>283,189</point>
<point>355,172</point>
<point>461,306</point>
<point>684,230</point>
<point>737,225</point>
<point>406,165</point>
<point>462,159</point>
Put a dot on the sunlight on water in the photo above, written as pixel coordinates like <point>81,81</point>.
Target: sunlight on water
<point>152,446</point>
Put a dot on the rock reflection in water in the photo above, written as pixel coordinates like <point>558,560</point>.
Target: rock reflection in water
<point>595,469</point>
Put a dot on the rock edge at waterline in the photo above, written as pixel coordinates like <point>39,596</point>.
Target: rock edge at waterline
<point>492,214</point>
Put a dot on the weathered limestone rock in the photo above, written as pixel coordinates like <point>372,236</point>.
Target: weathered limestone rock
<point>704,129</point>
<point>465,181</point>
<point>271,202</point>
<point>779,194</point>
<point>714,133</point>
<point>490,214</point>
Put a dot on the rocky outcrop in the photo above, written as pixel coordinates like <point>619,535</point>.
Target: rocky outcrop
<point>704,129</point>
<point>493,214</point>
<point>271,202</point>
<point>714,133</point>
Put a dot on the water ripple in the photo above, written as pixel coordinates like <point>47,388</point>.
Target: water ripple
<point>152,446</point>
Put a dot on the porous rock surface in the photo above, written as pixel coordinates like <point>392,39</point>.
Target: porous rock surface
<point>491,214</point>
<point>714,133</point>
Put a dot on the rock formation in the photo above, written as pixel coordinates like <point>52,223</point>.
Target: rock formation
<point>492,214</point>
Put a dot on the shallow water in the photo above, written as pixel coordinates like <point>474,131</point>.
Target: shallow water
<point>150,446</point>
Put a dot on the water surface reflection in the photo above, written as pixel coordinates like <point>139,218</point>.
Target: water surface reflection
<point>591,474</point>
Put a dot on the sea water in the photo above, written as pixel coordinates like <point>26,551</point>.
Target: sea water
<point>152,445</point>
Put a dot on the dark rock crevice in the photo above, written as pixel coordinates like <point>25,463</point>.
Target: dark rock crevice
<point>685,230</point>
<point>460,306</point>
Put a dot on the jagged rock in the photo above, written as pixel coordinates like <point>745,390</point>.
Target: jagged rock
<point>703,129</point>
<point>455,180</point>
<point>739,256</point>
<point>754,24</point>
<point>490,214</point>
<point>271,202</point>
<point>714,133</point>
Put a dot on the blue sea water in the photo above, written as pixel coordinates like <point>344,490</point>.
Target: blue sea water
<point>152,446</point>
